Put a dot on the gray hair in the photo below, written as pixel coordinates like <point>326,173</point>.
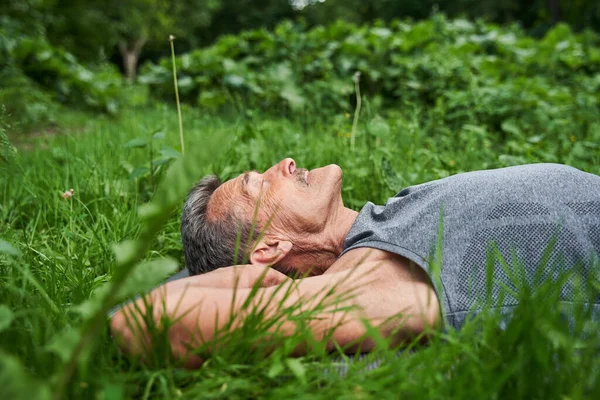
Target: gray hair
<point>211,244</point>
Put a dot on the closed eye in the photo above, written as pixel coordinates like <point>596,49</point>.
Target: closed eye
<point>261,184</point>
<point>247,180</point>
<point>255,184</point>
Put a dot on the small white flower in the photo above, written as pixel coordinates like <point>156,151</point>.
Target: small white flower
<point>68,194</point>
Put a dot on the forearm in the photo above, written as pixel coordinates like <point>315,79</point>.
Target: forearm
<point>197,314</point>
<point>240,276</point>
<point>129,323</point>
<point>200,314</point>
<point>183,313</point>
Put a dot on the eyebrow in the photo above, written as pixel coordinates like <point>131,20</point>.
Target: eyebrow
<point>246,180</point>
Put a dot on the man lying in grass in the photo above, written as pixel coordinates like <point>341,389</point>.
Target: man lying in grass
<point>425,259</point>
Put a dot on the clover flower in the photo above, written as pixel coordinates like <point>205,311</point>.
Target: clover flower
<point>68,194</point>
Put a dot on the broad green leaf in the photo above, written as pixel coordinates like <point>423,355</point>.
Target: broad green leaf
<point>535,139</point>
<point>139,172</point>
<point>229,65</point>
<point>157,162</point>
<point>113,391</point>
<point>293,96</point>
<point>127,167</point>
<point>136,143</point>
<point>212,98</point>
<point>282,72</point>
<point>6,317</point>
<point>275,370</point>
<point>297,368</point>
<point>147,275</point>
<point>126,251</point>
<point>16,383</point>
<point>169,152</point>
<point>511,126</point>
<point>235,81</point>
<point>479,130</point>
<point>379,128</point>
<point>112,107</point>
<point>63,343</point>
<point>383,33</point>
<point>509,160</point>
<point>149,211</point>
<point>160,135</point>
<point>393,181</point>
<point>93,304</point>
<point>7,151</point>
<point>185,83</point>
<point>44,55</point>
<point>7,248</point>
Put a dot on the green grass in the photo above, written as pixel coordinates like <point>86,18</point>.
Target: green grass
<point>67,254</point>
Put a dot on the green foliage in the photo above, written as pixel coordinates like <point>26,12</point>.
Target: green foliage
<point>125,31</point>
<point>457,71</point>
<point>149,172</point>
<point>17,383</point>
<point>8,153</point>
<point>7,248</point>
<point>6,316</point>
<point>535,16</point>
<point>36,76</point>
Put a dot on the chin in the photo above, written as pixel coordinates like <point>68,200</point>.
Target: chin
<point>334,171</point>
<point>332,183</point>
<point>326,179</point>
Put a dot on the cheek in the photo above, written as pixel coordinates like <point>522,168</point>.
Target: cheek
<point>308,217</point>
<point>270,208</point>
<point>288,216</point>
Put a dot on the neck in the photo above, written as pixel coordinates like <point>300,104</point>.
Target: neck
<point>322,250</point>
<point>339,230</point>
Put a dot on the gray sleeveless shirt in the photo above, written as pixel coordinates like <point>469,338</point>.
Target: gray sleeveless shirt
<point>518,211</point>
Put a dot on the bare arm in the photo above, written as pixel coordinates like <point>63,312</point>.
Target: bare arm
<point>379,290</point>
<point>240,276</point>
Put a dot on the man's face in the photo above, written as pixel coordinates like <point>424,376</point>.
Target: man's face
<point>299,201</point>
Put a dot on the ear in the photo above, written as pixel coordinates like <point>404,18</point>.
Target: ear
<point>270,252</point>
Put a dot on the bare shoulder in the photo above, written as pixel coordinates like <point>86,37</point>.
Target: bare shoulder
<point>393,285</point>
<point>382,263</point>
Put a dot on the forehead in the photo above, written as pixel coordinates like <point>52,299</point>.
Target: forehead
<point>228,197</point>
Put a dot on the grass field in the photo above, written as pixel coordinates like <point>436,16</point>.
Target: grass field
<point>56,252</point>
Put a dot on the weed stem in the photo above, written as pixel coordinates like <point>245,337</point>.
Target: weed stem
<point>356,79</point>
<point>172,39</point>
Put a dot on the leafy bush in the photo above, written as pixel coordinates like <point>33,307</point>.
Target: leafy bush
<point>35,76</point>
<point>24,99</point>
<point>458,71</point>
<point>7,150</point>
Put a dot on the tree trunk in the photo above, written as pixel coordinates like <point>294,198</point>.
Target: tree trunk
<point>554,10</point>
<point>130,51</point>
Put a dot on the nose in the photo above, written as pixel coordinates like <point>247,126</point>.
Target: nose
<point>288,166</point>
<point>285,167</point>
